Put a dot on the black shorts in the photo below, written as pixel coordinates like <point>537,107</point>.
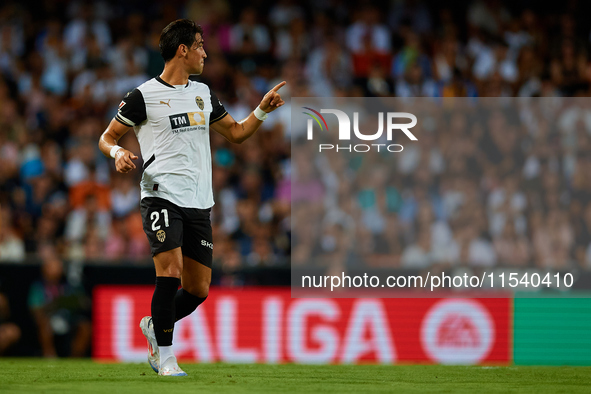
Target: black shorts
<point>169,226</point>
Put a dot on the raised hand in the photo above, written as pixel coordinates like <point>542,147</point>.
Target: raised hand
<point>272,100</point>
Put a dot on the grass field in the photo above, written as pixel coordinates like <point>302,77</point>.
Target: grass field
<point>85,376</point>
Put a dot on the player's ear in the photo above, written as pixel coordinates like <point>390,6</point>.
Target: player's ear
<point>183,50</point>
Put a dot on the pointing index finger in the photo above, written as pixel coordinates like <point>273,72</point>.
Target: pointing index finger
<point>278,86</point>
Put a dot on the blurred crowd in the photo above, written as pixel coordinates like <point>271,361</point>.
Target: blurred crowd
<point>489,183</point>
<point>65,65</point>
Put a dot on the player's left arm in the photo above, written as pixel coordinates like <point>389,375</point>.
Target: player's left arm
<point>238,132</point>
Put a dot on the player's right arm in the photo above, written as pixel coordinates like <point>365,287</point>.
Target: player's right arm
<point>123,157</point>
<point>131,112</point>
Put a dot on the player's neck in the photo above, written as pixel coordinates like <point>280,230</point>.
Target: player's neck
<point>174,75</point>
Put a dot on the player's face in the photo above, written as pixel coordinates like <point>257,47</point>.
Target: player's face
<point>196,56</point>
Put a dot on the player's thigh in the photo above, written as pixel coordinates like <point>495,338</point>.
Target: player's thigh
<point>196,277</point>
<point>163,224</point>
<point>197,235</point>
<point>169,263</point>
<point>197,251</point>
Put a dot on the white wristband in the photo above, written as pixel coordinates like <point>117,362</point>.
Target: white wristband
<point>260,114</point>
<point>114,150</point>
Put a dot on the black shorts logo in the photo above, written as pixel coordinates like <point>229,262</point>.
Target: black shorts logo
<point>161,235</point>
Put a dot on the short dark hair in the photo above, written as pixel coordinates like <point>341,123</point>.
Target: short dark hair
<point>181,31</point>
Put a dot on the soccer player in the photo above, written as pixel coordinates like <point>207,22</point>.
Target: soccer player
<point>171,116</point>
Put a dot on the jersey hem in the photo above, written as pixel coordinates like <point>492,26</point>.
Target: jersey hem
<point>163,195</point>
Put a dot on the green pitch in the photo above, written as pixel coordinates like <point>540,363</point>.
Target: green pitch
<point>85,376</point>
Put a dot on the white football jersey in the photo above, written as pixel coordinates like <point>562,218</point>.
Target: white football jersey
<point>172,126</point>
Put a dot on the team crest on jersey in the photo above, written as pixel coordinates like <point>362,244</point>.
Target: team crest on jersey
<point>161,235</point>
<point>199,102</point>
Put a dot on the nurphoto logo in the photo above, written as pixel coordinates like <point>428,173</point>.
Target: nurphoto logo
<point>345,130</point>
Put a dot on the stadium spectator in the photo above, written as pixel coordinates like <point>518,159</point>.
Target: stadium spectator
<point>90,218</point>
<point>60,310</point>
<point>12,247</point>
<point>292,43</point>
<point>418,254</point>
<point>368,40</point>
<point>511,248</point>
<point>248,37</point>
<point>329,67</point>
<point>10,333</point>
<point>414,84</point>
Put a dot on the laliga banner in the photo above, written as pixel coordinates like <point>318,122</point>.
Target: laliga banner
<point>266,325</point>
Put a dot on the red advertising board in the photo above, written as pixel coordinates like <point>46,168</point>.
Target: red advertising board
<point>267,325</point>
